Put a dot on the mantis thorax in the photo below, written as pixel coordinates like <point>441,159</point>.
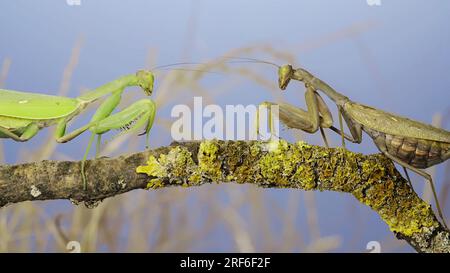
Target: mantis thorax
<point>306,77</point>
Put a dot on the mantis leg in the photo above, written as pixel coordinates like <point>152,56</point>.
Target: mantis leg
<point>341,125</point>
<point>97,146</point>
<point>83,161</point>
<point>317,116</point>
<point>407,177</point>
<point>294,117</point>
<point>102,112</point>
<point>325,114</point>
<point>105,109</point>
<point>101,117</point>
<point>324,137</point>
<point>356,139</point>
<point>86,153</point>
<point>128,120</point>
<point>142,78</point>
<point>326,117</point>
<point>421,173</point>
<point>266,105</point>
<point>355,129</point>
<point>29,132</point>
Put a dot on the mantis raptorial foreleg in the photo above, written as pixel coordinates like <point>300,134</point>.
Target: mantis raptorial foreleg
<point>102,121</point>
<point>316,117</point>
<point>104,110</point>
<point>268,107</point>
<point>129,119</point>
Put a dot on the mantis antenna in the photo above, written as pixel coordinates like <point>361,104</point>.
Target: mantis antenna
<point>168,67</point>
<point>251,60</point>
<point>174,64</point>
<point>242,60</point>
<point>188,69</point>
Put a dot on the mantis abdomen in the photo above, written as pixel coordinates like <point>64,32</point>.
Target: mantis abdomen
<point>419,153</point>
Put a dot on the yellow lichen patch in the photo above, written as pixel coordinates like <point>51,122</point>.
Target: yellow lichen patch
<point>304,151</point>
<point>284,162</point>
<point>154,183</point>
<point>272,163</point>
<point>153,168</point>
<point>376,195</point>
<point>195,178</point>
<point>302,144</point>
<point>392,200</point>
<point>346,175</point>
<point>241,163</point>
<point>409,217</point>
<point>372,171</point>
<point>180,162</point>
<point>208,162</point>
<point>255,149</point>
<point>234,157</point>
<point>173,166</point>
<point>271,167</point>
<point>305,175</point>
<point>326,168</point>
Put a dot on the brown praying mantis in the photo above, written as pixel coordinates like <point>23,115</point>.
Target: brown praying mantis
<point>411,144</point>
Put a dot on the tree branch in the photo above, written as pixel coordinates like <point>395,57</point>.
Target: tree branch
<point>372,179</point>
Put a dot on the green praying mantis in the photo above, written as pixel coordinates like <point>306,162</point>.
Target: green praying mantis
<point>24,114</point>
<point>411,144</point>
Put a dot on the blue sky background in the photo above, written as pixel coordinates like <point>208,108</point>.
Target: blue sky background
<point>399,63</point>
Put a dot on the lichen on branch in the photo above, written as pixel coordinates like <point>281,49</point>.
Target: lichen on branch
<point>372,179</point>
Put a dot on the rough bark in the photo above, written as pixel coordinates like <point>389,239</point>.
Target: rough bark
<point>372,179</point>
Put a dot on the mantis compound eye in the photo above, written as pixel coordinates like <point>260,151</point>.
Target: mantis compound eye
<point>145,81</point>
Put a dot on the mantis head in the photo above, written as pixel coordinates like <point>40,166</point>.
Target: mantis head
<point>145,81</point>
<point>285,73</point>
